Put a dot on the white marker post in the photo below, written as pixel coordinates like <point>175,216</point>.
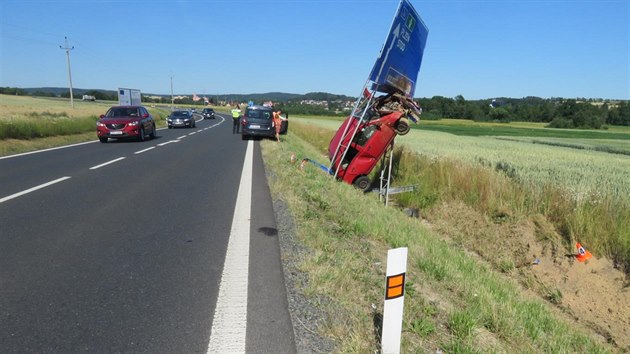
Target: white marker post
<point>394,300</point>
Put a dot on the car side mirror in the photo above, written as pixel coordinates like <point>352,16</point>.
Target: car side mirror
<point>145,116</point>
<point>102,116</point>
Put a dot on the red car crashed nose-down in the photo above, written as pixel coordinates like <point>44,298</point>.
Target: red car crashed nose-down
<point>354,155</point>
<point>368,146</point>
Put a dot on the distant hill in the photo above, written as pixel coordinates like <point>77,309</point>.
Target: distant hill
<point>60,90</point>
<point>256,97</point>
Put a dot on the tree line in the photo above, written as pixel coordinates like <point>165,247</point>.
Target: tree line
<point>556,112</point>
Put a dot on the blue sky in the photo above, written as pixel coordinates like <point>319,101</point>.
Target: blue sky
<point>477,49</point>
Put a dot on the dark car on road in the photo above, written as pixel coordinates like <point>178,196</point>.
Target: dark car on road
<point>125,122</point>
<point>208,113</point>
<point>181,119</point>
<point>257,121</point>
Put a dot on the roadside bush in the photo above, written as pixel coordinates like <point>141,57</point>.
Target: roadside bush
<point>42,125</point>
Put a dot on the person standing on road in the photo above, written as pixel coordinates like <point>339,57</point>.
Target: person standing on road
<point>236,120</point>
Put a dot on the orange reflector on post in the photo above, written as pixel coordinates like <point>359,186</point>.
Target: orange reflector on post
<point>395,286</point>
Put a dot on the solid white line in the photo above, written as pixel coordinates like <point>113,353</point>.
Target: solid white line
<point>107,163</point>
<point>33,189</point>
<point>230,315</point>
<point>141,151</point>
<point>50,149</point>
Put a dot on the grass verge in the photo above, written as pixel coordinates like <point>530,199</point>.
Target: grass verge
<point>599,218</point>
<point>453,302</point>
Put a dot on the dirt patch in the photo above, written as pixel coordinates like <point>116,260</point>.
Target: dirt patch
<point>592,294</point>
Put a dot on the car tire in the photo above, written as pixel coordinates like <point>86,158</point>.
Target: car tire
<point>244,137</point>
<point>141,134</point>
<point>103,140</point>
<point>362,182</point>
<point>402,126</point>
<point>153,133</point>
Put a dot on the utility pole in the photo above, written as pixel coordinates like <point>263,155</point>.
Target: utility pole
<point>68,49</point>
<point>172,99</point>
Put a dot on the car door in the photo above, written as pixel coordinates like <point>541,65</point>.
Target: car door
<point>147,120</point>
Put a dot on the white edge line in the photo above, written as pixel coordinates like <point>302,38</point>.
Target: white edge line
<point>145,150</point>
<point>107,163</point>
<point>33,189</point>
<point>50,149</point>
<point>229,326</point>
<point>79,144</point>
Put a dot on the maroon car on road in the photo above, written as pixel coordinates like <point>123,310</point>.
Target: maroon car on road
<point>126,122</point>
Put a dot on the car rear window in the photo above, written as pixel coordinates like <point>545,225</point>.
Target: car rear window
<point>255,114</point>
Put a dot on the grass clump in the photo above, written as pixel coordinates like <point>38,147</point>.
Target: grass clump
<point>36,125</point>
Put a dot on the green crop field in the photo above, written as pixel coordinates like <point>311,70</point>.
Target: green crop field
<point>585,162</point>
<point>24,118</point>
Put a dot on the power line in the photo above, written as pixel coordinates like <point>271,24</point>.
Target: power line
<point>68,49</point>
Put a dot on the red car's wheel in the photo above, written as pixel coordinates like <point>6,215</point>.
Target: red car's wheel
<point>362,183</point>
<point>402,126</point>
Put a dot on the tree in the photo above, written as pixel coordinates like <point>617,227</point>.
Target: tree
<point>13,91</point>
<point>500,114</point>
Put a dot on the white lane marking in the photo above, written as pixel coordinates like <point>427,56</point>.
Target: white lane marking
<point>199,131</point>
<point>33,189</point>
<point>145,150</point>
<point>230,315</point>
<point>107,163</point>
<point>168,142</point>
<point>193,133</point>
<point>87,142</point>
<point>38,151</point>
<point>182,137</point>
<point>216,124</point>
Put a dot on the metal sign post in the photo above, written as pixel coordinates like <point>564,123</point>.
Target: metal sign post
<point>394,300</point>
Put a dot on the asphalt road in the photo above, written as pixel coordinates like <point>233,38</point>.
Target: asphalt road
<point>120,247</point>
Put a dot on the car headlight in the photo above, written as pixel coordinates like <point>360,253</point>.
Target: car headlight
<point>134,123</point>
<point>100,124</point>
